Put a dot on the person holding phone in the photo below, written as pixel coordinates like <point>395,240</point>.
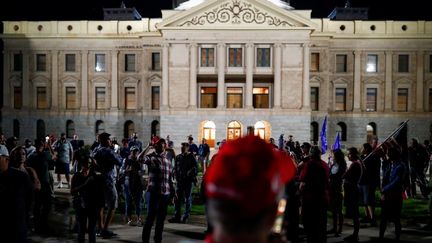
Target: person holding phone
<point>243,187</point>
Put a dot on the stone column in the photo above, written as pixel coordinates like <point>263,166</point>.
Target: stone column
<point>221,58</point>
<point>357,81</point>
<point>114,80</point>
<point>277,75</point>
<point>8,93</point>
<point>420,77</point>
<point>84,80</point>
<point>165,78</point>
<point>26,93</point>
<point>306,81</point>
<point>193,76</point>
<point>388,81</point>
<point>54,80</point>
<point>249,75</point>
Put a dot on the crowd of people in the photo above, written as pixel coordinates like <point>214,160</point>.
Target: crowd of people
<point>241,185</point>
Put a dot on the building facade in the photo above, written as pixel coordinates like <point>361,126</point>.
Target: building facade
<point>218,70</point>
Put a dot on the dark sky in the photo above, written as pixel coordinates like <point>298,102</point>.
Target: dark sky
<point>33,10</point>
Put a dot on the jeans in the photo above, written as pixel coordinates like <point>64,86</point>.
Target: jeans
<point>135,197</point>
<point>157,205</point>
<point>184,194</point>
<point>85,215</point>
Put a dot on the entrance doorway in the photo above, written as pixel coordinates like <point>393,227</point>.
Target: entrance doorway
<point>234,130</point>
<point>209,133</point>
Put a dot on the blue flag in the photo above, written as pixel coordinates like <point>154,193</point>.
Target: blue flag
<point>337,144</point>
<point>323,136</point>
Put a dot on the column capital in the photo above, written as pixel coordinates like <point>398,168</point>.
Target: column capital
<point>250,45</point>
<point>165,45</point>
<point>278,45</point>
<point>54,52</point>
<point>305,44</point>
<point>115,52</point>
<point>388,53</point>
<point>193,45</point>
<point>221,45</point>
<point>357,53</point>
<point>83,52</point>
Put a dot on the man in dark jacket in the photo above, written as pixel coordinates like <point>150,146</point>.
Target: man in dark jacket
<point>185,171</point>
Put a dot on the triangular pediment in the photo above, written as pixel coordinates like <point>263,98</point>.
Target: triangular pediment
<point>236,14</point>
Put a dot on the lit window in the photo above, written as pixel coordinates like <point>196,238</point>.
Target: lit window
<point>71,99</point>
<point>234,97</point>
<point>263,57</point>
<point>17,97</point>
<point>234,130</point>
<point>130,62</point>
<point>261,97</point>
<point>235,57</point>
<point>371,99</point>
<point>314,98</point>
<point>340,99</point>
<point>402,100</point>
<point>130,98</point>
<point>41,96</point>
<point>372,63</point>
<point>207,57</point>
<point>100,98</point>
<point>314,65</point>
<point>100,63</point>
<point>155,97</point>
<point>208,97</point>
<point>40,62</point>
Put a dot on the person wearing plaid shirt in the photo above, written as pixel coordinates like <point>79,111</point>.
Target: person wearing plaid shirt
<point>159,189</point>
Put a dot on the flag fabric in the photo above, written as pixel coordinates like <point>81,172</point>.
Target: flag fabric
<point>337,144</point>
<point>323,136</point>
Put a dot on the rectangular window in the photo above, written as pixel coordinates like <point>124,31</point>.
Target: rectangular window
<point>340,100</point>
<point>40,62</point>
<point>155,98</point>
<point>261,97</point>
<point>402,100</point>
<point>100,63</point>
<point>17,62</point>
<point>263,57</point>
<point>100,98</point>
<point>71,98</point>
<point>41,96</point>
<point>70,62</point>
<point>341,63</point>
<point>17,97</point>
<point>430,63</point>
<point>371,99</point>
<point>235,57</point>
<point>234,97</point>
<point>156,62</point>
<point>430,99</point>
<point>372,63</point>
<point>403,64</point>
<point>314,62</point>
<point>130,63</point>
<point>130,98</point>
<point>314,98</point>
<point>208,97</point>
<point>207,57</point>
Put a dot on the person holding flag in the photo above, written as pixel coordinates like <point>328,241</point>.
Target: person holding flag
<point>323,136</point>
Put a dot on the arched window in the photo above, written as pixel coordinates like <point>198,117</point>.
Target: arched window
<point>16,128</point>
<point>70,129</point>
<point>100,127</point>
<point>342,130</point>
<point>234,130</point>
<point>371,132</point>
<point>314,132</point>
<point>155,128</point>
<point>40,129</point>
<point>209,132</point>
<point>260,129</point>
<point>129,129</point>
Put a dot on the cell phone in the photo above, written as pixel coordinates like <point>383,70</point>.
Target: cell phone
<point>46,139</point>
<point>278,224</point>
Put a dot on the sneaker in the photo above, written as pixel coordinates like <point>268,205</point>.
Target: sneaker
<point>107,234</point>
<point>60,185</point>
<point>174,220</point>
<point>183,220</point>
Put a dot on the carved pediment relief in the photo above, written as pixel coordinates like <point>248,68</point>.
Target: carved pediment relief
<point>403,81</point>
<point>316,79</point>
<point>130,80</point>
<point>155,78</point>
<point>70,80</point>
<point>41,80</point>
<point>236,13</point>
<point>340,81</point>
<point>100,80</point>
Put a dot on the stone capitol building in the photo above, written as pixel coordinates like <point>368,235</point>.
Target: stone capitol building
<point>218,69</point>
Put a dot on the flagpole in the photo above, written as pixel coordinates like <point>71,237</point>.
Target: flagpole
<point>388,137</point>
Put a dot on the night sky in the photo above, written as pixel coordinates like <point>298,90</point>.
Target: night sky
<point>34,10</point>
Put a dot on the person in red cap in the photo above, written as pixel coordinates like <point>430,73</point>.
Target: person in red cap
<point>243,186</point>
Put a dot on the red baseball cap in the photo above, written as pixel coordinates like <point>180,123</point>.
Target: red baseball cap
<point>249,172</point>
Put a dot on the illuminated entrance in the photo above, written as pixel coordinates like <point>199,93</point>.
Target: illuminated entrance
<point>209,133</point>
<point>262,129</point>
<point>234,130</point>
